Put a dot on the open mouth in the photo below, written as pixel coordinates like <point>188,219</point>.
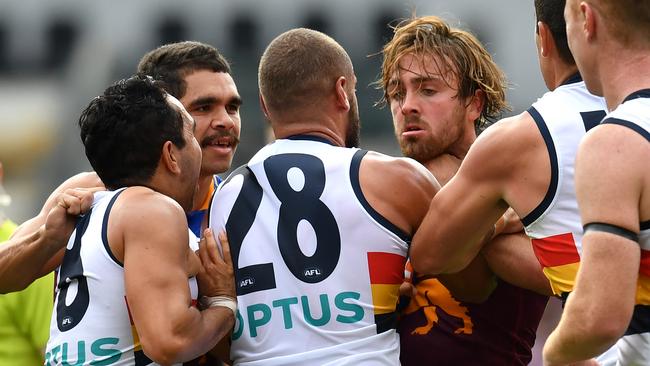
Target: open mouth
<point>220,142</point>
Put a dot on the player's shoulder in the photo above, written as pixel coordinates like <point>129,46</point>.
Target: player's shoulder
<point>395,165</point>
<point>143,204</point>
<point>82,180</point>
<point>400,171</point>
<point>507,136</point>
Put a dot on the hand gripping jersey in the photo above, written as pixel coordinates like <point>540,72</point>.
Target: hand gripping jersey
<point>563,116</point>
<point>317,269</point>
<point>634,346</point>
<point>91,324</point>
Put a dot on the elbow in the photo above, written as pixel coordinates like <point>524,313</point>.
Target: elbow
<point>425,265</point>
<point>607,333</point>
<point>163,350</point>
<point>432,265</point>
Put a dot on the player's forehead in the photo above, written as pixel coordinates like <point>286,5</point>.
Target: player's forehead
<point>418,68</point>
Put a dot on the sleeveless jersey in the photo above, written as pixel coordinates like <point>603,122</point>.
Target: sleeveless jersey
<point>563,116</point>
<point>437,329</point>
<point>91,323</point>
<point>317,268</point>
<point>634,346</point>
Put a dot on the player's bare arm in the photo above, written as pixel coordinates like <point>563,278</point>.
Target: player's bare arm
<point>597,324</point>
<point>38,244</point>
<point>508,251</point>
<point>464,211</point>
<point>157,263</point>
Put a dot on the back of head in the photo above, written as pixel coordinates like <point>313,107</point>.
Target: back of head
<point>124,129</point>
<point>628,20</point>
<point>551,13</point>
<point>465,59</point>
<point>299,67</point>
<point>172,62</point>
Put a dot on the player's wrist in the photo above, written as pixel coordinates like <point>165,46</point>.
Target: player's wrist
<point>207,302</point>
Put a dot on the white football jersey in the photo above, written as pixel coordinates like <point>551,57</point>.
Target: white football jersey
<point>562,116</point>
<point>317,269</point>
<point>634,346</point>
<point>91,324</point>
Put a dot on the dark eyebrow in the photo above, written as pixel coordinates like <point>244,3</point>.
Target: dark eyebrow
<point>236,100</point>
<point>201,101</point>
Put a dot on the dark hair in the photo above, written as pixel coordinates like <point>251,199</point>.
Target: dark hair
<point>299,67</point>
<point>172,62</point>
<point>124,129</point>
<point>551,13</point>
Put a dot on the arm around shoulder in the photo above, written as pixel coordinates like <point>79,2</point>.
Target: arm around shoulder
<point>37,246</point>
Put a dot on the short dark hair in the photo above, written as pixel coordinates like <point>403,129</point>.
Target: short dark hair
<point>123,131</point>
<point>299,67</point>
<point>172,62</point>
<point>551,13</point>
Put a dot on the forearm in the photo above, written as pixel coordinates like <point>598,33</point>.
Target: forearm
<point>22,259</point>
<point>473,284</point>
<point>569,344</point>
<point>190,336</point>
<point>511,258</point>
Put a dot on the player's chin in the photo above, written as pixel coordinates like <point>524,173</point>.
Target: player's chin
<point>218,166</point>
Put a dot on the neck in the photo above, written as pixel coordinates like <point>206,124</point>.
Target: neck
<point>564,74</point>
<point>203,188</point>
<point>285,129</point>
<point>443,167</point>
<point>624,75</point>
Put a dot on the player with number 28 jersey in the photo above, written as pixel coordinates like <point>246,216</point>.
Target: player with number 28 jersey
<point>317,269</point>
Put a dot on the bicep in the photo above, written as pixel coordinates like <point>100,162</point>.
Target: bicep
<point>511,257</point>
<point>155,254</point>
<point>608,183</point>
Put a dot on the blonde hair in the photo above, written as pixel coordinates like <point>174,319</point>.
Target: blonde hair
<point>462,54</point>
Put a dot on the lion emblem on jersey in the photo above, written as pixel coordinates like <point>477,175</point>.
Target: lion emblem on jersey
<point>432,295</point>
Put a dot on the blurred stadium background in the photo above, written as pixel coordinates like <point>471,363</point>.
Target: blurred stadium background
<point>56,55</point>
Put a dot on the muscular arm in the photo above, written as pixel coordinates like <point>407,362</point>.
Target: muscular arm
<point>37,246</point>
<point>511,257</point>
<point>157,264</point>
<point>609,186</point>
<point>465,209</point>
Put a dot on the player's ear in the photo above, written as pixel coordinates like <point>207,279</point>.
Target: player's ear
<point>169,158</point>
<point>545,39</point>
<point>264,109</point>
<point>342,99</point>
<point>475,106</point>
<point>591,22</point>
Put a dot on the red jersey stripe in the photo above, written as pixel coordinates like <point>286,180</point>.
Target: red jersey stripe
<point>386,268</point>
<point>556,250</point>
<point>644,268</point>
